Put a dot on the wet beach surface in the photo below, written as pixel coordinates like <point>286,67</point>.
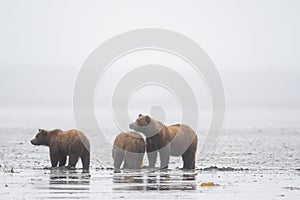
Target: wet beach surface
<point>246,163</point>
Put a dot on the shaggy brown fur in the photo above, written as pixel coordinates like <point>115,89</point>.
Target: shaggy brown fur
<point>174,140</point>
<point>130,147</point>
<point>72,143</point>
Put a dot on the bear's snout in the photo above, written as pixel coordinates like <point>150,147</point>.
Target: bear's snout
<point>32,141</point>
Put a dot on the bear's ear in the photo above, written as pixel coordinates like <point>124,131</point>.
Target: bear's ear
<point>43,132</point>
<point>148,119</point>
<point>140,115</point>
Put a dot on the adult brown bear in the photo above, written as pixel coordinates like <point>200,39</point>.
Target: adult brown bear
<point>130,148</point>
<point>72,143</point>
<point>173,140</point>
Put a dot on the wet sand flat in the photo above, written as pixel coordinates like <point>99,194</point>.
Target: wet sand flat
<point>246,164</point>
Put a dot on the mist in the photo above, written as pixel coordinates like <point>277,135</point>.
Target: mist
<point>254,45</point>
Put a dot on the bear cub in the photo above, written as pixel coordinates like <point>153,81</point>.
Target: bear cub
<point>173,140</point>
<point>72,143</point>
<point>130,148</point>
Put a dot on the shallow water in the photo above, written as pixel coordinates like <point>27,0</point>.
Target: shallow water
<point>247,164</point>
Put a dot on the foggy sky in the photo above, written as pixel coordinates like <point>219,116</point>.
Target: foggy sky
<point>235,34</point>
<point>255,45</point>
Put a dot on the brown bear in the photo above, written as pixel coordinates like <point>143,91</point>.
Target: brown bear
<point>72,143</point>
<point>130,147</point>
<point>173,140</point>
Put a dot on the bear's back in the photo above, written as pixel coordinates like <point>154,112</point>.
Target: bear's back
<point>70,139</point>
<point>182,136</point>
<point>130,141</point>
<point>182,129</point>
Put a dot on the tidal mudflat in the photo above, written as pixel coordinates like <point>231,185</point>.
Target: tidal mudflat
<point>246,164</point>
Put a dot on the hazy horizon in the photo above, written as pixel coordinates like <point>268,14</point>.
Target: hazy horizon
<point>254,45</point>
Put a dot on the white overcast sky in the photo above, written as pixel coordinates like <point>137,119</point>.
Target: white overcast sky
<point>242,34</point>
<point>254,44</point>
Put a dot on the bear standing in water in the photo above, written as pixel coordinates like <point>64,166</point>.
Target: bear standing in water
<point>174,140</point>
<point>72,143</point>
<point>130,147</point>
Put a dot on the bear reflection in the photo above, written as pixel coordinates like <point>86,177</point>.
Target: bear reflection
<point>62,179</point>
<point>154,181</point>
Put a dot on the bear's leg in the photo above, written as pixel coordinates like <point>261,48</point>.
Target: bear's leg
<point>133,160</point>
<point>164,155</point>
<point>73,158</point>
<point>189,157</point>
<point>139,160</point>
<point>62,160</point>
<point>188,161</point>
<point>152,156</point>
<point>125,165</point>
<point>118,159</point>
<point>54,156</point>
<point>85,159</point>
<point>128,160</point>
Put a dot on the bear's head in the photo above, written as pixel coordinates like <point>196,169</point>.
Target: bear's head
<point>41,138</point>
<point>146,125</point>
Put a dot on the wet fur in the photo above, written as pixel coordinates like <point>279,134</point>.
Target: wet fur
<point>130,148</point>
<point>72,143</point>
<point>173,140</point>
